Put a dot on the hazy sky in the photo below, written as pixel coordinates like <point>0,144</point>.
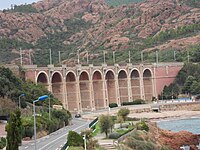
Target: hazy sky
<point>4,4</point>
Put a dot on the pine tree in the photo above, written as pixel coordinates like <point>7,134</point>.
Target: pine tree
<point>14,131</point>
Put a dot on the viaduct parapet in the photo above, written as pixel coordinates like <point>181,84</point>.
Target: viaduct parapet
<point>82,88</point>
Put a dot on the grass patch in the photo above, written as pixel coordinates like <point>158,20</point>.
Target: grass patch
<point>97,130</point>
<point>75,148</point>
<point>124,131</point>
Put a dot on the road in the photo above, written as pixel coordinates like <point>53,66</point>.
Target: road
<point>57,139</point>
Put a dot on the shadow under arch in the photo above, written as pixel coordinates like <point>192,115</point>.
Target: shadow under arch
<point>43,79</point>
<point>84,85</point>
<point>111,88</point>
<point>135,84</point>
<point>123,86</point>
<point>148,86</point>
<point>98,90</point>
<point>71,92</point>
<point>57,86</point>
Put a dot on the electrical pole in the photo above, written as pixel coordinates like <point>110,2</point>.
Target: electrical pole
<point>87,58</point>
<point>78,56</point>
<point>174,55</point>
<point>188,56</point>
<point>59,56</point>
<point>142,59</point>
<point>50,59</point>
<point>114,57</point>
<point>157,57</point>
<point>104,57</point>
<point>21,59</point>
<point>30,61</point>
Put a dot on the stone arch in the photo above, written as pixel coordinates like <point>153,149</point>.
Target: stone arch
<point>135,84</point>
<point>84,84</point>
<point>148,86</point>
<point>123,86</point>
<point>71,91</point>
<point>42,78</point>
<point>57,85</point>
<point>111,87</point>
<point>98,89</point>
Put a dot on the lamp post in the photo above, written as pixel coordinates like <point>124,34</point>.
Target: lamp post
<point>49,109</point>
<point>84,138</point>
<point>20,99</point>
<point>41,98</point>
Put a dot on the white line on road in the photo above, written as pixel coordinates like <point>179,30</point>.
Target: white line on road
<point>26,147</point>
<point>60,137</point>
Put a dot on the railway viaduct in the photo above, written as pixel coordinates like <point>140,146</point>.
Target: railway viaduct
<point>82,88</point>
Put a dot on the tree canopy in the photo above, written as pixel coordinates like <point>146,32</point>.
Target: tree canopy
<point>187,82</point>
<point>105,122</point>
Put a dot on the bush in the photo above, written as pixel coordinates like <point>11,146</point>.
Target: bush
<point>142,126</point>
<point>112,105</point>
<point>63,115</point>
<point>28,132</point>
<point>123,112</point>
<point>114,135</point>
<point>74,139</point>
<point>141,145</point>
<point>137,135</point>
<point>135,102</point>
<point>2,142</point>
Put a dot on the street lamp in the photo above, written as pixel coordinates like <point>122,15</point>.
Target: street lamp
<point>49,108</point>
<point>41,98</point>
<point>20,99</point>
<point>84,138</point>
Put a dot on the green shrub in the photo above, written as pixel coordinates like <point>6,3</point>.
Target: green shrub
<point>140,145</point>
<point>135,102</point>
<point>123,112</point>
<point>114,135</point>
<point>2,142</point>
<point>132,119</point>
<point>112,105</point>
<point>62,115</point>
<point>142,126</point>
<point>75,148</point>
<point>28,132</point>
<point>52,125</point>
<point>74,139</point>
<point>24,8</point>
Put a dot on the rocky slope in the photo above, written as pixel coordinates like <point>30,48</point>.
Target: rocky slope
<point>94,26</point>
<point>174,140</point>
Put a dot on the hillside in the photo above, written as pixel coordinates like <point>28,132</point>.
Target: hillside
<point>96,26</point>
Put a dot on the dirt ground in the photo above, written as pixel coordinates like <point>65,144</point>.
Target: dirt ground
<point>166,114</point>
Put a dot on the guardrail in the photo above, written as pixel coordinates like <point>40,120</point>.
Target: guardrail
<point>93,122</point>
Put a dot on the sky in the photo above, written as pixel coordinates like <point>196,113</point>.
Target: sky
<point>4,4</point>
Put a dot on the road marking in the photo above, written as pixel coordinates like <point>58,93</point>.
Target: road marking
<point>61,137</point>
<point>26,147</point>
